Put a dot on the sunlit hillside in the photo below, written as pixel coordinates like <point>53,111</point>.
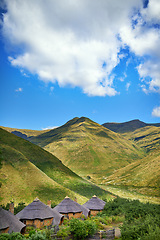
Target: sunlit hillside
<point>88,148</point>
<point>29,171</point>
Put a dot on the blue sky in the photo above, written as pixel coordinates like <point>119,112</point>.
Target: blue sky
<point>65,59</point>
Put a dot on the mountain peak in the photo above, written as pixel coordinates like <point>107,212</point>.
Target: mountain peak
<point>78,120</point>
<point>128,126</point>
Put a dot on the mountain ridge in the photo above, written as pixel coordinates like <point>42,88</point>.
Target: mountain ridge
<point>128,126</point>
<point>84,145</point>
<point>20,155</point>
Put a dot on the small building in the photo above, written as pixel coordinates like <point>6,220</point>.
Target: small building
<point>38,215</point>
<point>95,205</point>
<point>10,223</point>
<point>71,209</point>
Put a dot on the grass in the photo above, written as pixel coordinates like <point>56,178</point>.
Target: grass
<point>123,163</point>
<point>130,193</point>
<point>29,171</point>
<point>88,148</point>
<point>147,138</point>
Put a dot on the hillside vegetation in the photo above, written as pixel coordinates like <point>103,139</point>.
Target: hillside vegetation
<point>88,148</point>
<point>147,138</point>
<point>128,126</point>
<point>126,164</point>
<point>29,171</point>
<point>24,133</point>
<point>142,176</point>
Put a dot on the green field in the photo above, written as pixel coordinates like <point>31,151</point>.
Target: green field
<point>126,164</point>
<point>29,171</point>
<point>88,148</point>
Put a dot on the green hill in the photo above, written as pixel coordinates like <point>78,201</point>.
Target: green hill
<point>128,126</point>
<point>147,138</point>
<point>29,171</point>
<point>24,133</point>
<point>141,176</point>
<point>88,148</point>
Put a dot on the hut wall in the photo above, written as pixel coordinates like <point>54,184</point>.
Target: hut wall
<point>94,212</point>
<point>77,215</point>
<point>38,223</point>
<point>5,230</point>
<point>73,215</point>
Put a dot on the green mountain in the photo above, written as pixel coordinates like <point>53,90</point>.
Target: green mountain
<point>126,163</point>
<point>141,176</point>
<point>24,133</point>
<point>88,148</point>
<point>29,171</point>
<point>128,126</point>
<point>147,138</point>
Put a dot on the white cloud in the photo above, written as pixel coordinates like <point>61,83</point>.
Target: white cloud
<point>68,41</point>
<point>19,90</point>
<point>156,112</point>
<point>51,89</point>
<point>143,39</point>
<point>128,86</point>
<point>150,74</point>
<point>49,127</point>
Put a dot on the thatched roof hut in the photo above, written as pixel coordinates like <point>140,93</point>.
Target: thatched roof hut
<point>95,204</point>
<point>38,210</point>
<point>10,222</point>
<point>68,206</point>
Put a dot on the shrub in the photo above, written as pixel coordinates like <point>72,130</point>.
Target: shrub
<point>91,227</point>
<point>78,228</point>
<point>63,232</point>
<point>146,228</point>
<point>19,208</point>
<point>16,236</point>
<point>38,236</point>
<point>4,236</point>
<point>12,236</point>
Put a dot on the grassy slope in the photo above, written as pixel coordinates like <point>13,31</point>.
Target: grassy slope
<point>27,132</point>
<point>147,138</point>
<point>128,126</point>
<point>142,176</point>
<point>88,148</point>
<point>27,181</point>
<point>23,181</point>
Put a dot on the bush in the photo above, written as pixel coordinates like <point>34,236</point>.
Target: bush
<point>78,228</point>
<point>4,236</point>
<point>12,236</point>
<point>63,232</point>
<point>91,227</point>
<point>146,228</point>
<point>38,236</point>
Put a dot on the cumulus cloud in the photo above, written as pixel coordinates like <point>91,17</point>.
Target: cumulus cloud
<point>49,128</point>
<point>128,86</point>
<point>143,38</point>
<point>156,112</point>
<point>19,90</point>
<point>69,41</point>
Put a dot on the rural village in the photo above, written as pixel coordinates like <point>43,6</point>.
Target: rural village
<point>39,216</point>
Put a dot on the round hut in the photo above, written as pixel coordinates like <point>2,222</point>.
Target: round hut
<point>38,215</point>
<point>10,223</point>
<point>95,205</point>
<point>70,208</point>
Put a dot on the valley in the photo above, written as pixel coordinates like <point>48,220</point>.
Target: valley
<point>85,158</point>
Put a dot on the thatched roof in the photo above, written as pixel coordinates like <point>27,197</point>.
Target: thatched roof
<point>95,203</point>
<point>38,210</point>
<point>70,206</point>
<point>7,219</point>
